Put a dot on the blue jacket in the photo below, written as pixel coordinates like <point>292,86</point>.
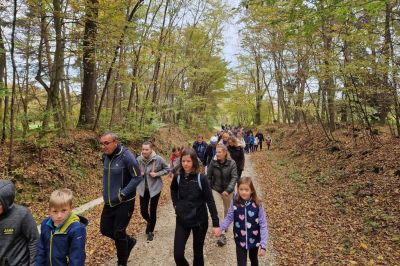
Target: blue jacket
<point>200,149</point>
<point>63,245</point>
<point>121,174</point>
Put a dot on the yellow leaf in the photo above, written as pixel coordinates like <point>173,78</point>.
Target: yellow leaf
<point>371,262</point>
<point>352,262</point>
<point>380,257</point>
<point>364,246</point>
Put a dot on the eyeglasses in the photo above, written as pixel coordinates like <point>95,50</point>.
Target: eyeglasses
<point>106,143</point>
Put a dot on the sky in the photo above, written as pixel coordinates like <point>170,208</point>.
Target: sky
<point>231,36</point>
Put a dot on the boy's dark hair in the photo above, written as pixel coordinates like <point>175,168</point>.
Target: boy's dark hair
<point>193,155</point>
<point>148,143</point>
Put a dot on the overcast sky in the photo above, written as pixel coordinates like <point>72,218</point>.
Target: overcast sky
<point>231,36</point>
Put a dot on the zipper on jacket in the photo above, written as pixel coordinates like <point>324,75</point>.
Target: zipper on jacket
<point>245,223</point>
<point>51,247</point>
<point>109,180</point>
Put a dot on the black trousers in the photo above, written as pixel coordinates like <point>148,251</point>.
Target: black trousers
<point>260,143</point>
<point>181,236</point>
<point>113,224</point>
<point>241,256</point>
<point>151,218</point>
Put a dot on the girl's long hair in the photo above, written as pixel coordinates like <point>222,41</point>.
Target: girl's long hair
<point>247,180</point>
<point>193,155</point>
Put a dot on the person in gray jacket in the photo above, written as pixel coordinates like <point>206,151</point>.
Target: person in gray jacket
<point>18,232</point>
<point>222,173</point>
<point>153,167</point>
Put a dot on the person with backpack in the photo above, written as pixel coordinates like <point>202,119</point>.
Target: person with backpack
<point>153,167</point>
<point>268,140</point>
<point>200,147</point>
<point>191,195</point>
<point>222,173</point>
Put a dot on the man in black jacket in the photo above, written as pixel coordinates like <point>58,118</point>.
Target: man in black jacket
<point>260,137</point>
<point>18,232</point>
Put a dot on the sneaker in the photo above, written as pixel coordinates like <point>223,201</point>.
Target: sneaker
<point>221,241</point>
<point>150,236</point>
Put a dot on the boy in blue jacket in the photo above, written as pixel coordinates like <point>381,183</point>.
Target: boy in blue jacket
<point>63,233</point>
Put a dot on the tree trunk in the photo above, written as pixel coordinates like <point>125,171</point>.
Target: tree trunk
<point>14,71</point>
<point>3,84</point>
<point>109,72</point>
<point>86,115</point>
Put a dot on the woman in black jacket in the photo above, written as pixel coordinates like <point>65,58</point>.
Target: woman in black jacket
<point>191,195</point>
<point>222,173</point>
<point>237,154</point>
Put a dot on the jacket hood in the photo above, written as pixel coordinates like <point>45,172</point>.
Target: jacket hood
<point>73,218</point>
<point>7,194</point>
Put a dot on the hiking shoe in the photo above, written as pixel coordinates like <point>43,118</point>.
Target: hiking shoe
<point>150,236</point>
<point>221,241</point>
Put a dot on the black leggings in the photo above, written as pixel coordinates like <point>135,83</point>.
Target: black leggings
<point>113,223</point>
<point>241,256</point>
<point>181,237</point>
<point>151,218</point>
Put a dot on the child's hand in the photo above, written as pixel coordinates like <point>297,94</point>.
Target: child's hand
<point>217,231</point>
<point>261,252</point>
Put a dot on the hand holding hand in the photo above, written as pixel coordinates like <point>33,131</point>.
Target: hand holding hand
<point>225,194</point>
<point>261,252</point>
<point>217,231</point>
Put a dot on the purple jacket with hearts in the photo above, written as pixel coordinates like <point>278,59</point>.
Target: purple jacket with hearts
<point>250,227</point>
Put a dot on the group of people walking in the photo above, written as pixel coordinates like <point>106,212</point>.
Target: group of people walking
<point>201,176</point>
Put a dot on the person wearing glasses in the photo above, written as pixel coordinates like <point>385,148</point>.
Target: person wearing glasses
<point>121,176</point>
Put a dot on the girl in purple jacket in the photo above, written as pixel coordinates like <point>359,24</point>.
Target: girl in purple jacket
<point>250,227</point>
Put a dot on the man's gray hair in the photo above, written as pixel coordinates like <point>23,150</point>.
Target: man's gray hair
<point>112,134</point>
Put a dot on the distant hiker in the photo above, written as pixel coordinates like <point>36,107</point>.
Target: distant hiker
<point>268,140</point>
<point>121,176</point>
<point>152,167</point>
<point>256,142</point>
<point>246,138</point>
<point>237,154</point>
<point>200,147</point>
<point>250,228</point>
<point>191,195</point>
<point>18,232</point>
<point>210,151</point>
<point>241,141</point>
<point>251,142</point>
<point>222,173</point>
<point>224,138</point>
<point>260,137</point>
<point>175,155</point>
<point>63,233</point>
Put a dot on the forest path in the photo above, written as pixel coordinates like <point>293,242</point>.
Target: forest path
<point>160,250</point>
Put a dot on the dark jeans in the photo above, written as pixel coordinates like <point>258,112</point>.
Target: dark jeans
<point>260,143</point>
<point>151,218</point>
<point>181,237</point>
<point>241,256</point>
<point>113,224</point>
